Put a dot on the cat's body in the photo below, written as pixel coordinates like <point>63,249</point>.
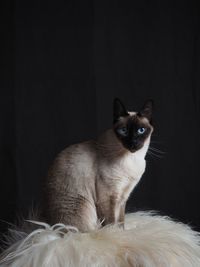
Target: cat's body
<point>92,181</point>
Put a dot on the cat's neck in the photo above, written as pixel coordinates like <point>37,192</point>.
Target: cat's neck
<point>109,145</point>
<point>143,151</point>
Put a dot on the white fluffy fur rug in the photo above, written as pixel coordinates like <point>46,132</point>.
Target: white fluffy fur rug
<point>148,241</point>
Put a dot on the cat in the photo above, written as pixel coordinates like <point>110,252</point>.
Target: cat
<point>91,181</point>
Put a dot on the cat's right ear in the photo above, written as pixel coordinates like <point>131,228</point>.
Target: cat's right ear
<point>119,110</point>
<point>147,109</point>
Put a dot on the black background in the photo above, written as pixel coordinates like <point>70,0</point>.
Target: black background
<point>63,62</point>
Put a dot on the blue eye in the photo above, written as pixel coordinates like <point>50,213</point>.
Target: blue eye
<point>141,130</point>
<point>122,131</point>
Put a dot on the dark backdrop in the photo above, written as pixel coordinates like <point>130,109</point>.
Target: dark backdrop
<point>63,62</point>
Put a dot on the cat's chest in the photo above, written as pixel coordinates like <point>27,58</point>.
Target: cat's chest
<point>125,173</point>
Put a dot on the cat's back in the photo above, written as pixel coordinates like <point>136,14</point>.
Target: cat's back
<point>77,160</point>
<point>70,188</point>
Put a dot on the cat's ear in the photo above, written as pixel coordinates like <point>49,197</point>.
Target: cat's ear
<point>147,109</point>
<point>119,110</point>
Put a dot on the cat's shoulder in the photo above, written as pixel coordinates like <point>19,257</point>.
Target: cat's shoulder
<point>79,149</point>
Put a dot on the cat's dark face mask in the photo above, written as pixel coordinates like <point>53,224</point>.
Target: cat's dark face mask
<point>132,128</point>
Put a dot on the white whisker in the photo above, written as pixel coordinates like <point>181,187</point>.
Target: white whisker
<point>156,150</point>
<point>154,154</point>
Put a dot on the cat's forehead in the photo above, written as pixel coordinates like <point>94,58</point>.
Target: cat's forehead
<point>134,118</point>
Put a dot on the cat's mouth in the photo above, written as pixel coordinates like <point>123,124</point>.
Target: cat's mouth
<point>133,150</point>
<point>135,147</point>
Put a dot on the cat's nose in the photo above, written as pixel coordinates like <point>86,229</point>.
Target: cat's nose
<point>134,142</point>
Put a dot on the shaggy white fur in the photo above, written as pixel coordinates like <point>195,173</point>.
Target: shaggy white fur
<point>148,241</point>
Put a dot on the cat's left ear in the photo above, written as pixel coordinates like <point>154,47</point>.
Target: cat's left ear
<point>147,109</point>
<point>119,110</point>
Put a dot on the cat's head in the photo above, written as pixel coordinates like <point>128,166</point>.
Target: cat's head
<point>133,129</point>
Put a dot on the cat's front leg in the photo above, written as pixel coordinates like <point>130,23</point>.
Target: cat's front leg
<point>122,215</point>
<point>114,213</point>
<point>109,211</point>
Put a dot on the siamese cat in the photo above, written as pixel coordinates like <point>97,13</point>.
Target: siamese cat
<point>90,182</point>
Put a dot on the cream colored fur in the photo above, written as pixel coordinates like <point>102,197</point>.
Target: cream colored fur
<point>122,171</point>
<point>148,241</point>
<point>102,172</point>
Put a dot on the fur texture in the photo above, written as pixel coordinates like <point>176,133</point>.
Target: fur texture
<point>148,241</point>
<point>91,181</point>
